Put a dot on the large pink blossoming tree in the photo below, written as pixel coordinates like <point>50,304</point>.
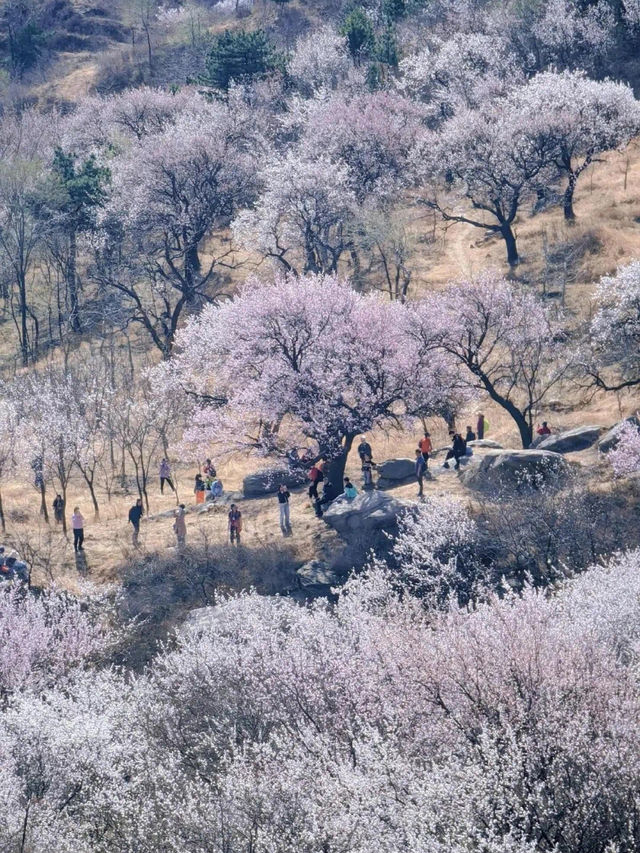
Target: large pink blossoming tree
<point>303,361</point>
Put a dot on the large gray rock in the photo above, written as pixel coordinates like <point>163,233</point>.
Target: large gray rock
<point>488,443</point>
<point>316,576</point>
<point>572,440</point>
<point>368,513</point>
<point>267,482</point>
<point>610,438</point>
<point>514,469</point>
<point>394,472</point>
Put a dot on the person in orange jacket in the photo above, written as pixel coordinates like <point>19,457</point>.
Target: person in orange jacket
<point>425,447</point>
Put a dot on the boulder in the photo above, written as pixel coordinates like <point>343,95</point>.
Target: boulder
<point>572,440</point>
<point>267,482</point>
<point>316,576</point>
<point>368,513</point>
<point>488,443</point>
<point>394,472</point>
<point>610,438</point>
<point>515,469</point>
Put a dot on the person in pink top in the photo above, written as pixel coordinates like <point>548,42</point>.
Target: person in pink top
<point>77,523</point>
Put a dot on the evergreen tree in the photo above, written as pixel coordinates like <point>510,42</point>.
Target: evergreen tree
<point>358,30</point>
<point>81,190</point>
<point>240,56</point>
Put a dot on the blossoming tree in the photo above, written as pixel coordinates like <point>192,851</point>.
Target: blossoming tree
<point>303,361</point>
<point>614,332</point>
<point>505,339</point>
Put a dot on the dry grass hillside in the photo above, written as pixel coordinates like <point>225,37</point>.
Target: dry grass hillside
<point>572,258</point>
<point>607,233</point>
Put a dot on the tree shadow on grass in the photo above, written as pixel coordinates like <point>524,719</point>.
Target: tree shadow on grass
<point>159,590</point>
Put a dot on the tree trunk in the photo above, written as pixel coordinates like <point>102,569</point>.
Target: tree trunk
<point>191,271</point>
<point>524,427</point>
<point>92,491</point>
<point>569,214</point>
<point>64,509</point>
<point>335,470</point>
<point>509,237</point>
<point>24,331</point>
<point>2,520</point>
<point>525,430</point>
<point>72,282</point>
<point>43,501</point>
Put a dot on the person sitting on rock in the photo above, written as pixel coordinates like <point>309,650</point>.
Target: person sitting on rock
<point>328,495</point>
<point>470,436</point>
<point>216,489</point>
<point>350,491</point>
<point>457,451</point>
<point>544,429</point>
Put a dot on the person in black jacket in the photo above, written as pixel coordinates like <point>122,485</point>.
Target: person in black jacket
<point>135,514</point>
<point>458,450</point>
<point>58,509</point>
<point>364,449</point>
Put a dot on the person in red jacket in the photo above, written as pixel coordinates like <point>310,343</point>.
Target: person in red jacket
<point>316,476</point>
<point>544,429</point>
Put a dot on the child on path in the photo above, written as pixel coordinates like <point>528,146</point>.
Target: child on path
<point>235,524</point>
<point>367,472</point>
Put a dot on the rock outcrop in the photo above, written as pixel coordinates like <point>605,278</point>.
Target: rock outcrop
<point>267,482</point>
<point>487,443</point>
<point>316,577</point>
<point>514,469</point>
<point>610,438</point>
<point>572,440</point>
<point>395,472</point>
<point>368,513</point>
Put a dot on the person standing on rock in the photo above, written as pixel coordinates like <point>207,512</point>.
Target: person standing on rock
<point>77,525</point>
<point>283,503</point>
<point>426,448</point>
<point>180,526</point>
<point>235,524</point>
<point>421,470</point>
<point>165,476</point>
<point>135,514</point>
<point>364,449</point>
